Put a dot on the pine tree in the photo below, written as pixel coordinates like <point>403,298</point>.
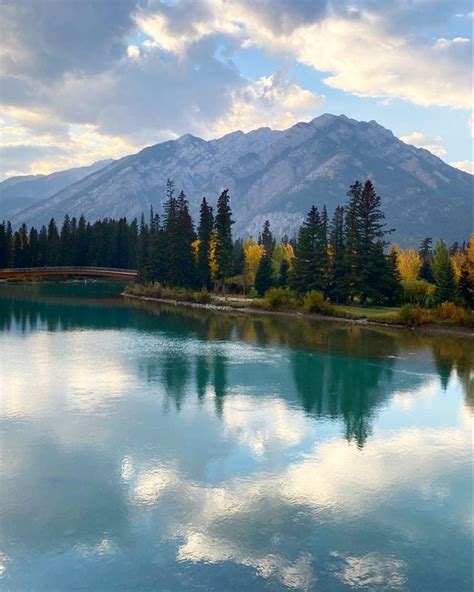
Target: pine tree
<point>33,244</point>
<point>223,227</point>
<point>337,274</point>
<point>4,246</point>
<point>465,286</point>
<point>142,252</point>
<point>426,255</point>
<point>53,244</point>
<point>42,246</point>
<point>184,239</point>
<point>264,275</point>
<point>443,274</point>
<point>66,242</point>
<point>266,239</point>
<point>309,268</point>
<point>205,228</point>
<point>284,274</point>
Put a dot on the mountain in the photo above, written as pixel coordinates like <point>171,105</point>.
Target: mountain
<point>278,175</point>
<point>18,193</point>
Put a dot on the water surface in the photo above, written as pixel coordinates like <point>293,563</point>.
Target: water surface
<point>158,448</point>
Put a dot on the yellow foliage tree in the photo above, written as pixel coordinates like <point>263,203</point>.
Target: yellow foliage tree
<point>212,257</point>
<point>195,246</point>
<point>470,257</point>
<point>289,255</point>
<point>457,260</point>
<point>408,263</point>
<point>253,252</point>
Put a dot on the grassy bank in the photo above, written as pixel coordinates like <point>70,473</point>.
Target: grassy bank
<point>278,300</point>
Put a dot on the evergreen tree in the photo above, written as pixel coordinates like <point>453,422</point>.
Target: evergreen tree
<point>223,228</point>
<point>266,239</point>
<point>309,270</point>
<point>205,228</point>
<point>426,255</point>
<point>52,257</point>
<point>443,274</point>
<point>337,281</point>
<point>184,240</point>
<point>81,247</point>
<point>264,275</point>
<point>66,243</point>
<point>284,274</point>
<point>4,246</point>
<point>365,233</point>
<point>9,233</point>
<point>33,244</point>
<point>42,246</point>
<point>465,286</point>
<point>142,252</point>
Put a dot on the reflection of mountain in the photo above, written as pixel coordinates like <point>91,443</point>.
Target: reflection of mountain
<point>342,387</point>
<point>96,306</point>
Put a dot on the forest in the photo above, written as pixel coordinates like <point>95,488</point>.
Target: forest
<point>345,259</point>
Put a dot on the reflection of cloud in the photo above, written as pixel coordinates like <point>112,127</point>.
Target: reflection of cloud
<point>271,423</point>
<point>151,484</point>
<point>407,398</point>
<point>374,571</point>
<point>296,574</point>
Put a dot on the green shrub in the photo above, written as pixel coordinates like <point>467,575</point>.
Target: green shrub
<point>418,292</point>
<point>202,297</point>
<point>315,302</point>
<point>413,316</point>
<point>253,293</point>
<point>450,313</point>
<point>276,298</point>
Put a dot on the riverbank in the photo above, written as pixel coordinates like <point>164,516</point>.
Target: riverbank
<point>362,321</point>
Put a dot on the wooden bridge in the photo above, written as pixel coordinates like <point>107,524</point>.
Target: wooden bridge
<point>106,272</point>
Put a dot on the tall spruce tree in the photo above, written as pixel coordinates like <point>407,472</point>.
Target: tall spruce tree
<point>443,273</point>
<point>264,276</point>
<point>426,253</point>
<point>465,286</point>
<point>205,228</point>
<point>4,246</point>
<point>53,252</point>
<point>365,233</point>
<point>224,246</point>
<point>309,269</point>
<point>185,237</point>
<point>337,271</point>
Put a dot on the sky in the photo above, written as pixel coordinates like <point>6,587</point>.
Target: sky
<point>85,80</point>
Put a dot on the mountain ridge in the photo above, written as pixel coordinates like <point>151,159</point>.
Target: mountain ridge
<point>278,174</point>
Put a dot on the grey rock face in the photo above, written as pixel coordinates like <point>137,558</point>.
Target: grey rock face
<point>278,175</point>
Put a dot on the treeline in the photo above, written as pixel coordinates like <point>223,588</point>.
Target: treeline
<point>105,243</point>
<point>345,258</point>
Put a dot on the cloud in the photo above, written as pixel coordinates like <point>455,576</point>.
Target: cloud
<point>464,165</point>
<point>365,49</point>
<point>271,101</point>
<point>433,144</point>
<point>46,39</point>
<point>136,72</point>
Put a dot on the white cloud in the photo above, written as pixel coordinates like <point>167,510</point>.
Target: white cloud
<point>420,140</point>
<point>464,165</point>
<point>362,51</point>
<point>270,101</point>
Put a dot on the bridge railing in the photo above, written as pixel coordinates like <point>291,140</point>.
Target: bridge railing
<point>69,268</point>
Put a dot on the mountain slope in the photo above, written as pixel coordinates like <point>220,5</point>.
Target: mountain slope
<point>278,175</point>
<point>18,193</point>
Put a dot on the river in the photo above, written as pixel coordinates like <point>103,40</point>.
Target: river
<point>159,448</point>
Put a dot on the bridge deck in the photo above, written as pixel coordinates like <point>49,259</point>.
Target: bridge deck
<point>69,270</point>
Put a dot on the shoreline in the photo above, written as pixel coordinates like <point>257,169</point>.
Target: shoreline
<point>364,322</point>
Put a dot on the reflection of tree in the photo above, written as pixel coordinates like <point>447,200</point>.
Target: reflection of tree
<point>202,375</point>
<point>175,376</point>
<point>346,387</point>
<point>220,382</point>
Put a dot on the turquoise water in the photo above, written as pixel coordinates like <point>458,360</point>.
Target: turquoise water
<point>158,448</point>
